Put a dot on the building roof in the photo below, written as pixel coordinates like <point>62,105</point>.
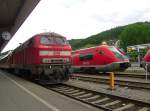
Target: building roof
<point>13,14</point>
<point>140,46</point>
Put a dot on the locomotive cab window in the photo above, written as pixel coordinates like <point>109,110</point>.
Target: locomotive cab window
<point>46,40</point>
<point>117,53</point>
<point>86,57</point>
<point>60,40</point>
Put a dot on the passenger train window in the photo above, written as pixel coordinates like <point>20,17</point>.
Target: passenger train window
<point>86,57</point>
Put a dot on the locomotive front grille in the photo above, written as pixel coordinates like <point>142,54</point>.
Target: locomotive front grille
<point>57,60</point>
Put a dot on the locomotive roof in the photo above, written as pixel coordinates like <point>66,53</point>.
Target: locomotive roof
<point>44,33</point>
<point>5,54</point>
<point>91,48</point>
<point>51,34</point>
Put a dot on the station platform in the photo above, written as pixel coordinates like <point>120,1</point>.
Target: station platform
<point>17,94</point>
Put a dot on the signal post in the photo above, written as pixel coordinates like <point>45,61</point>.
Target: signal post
<point>112,80</point>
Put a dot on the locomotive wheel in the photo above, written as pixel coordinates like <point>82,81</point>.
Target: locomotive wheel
<point>16,71</point>
<point>60,75</point>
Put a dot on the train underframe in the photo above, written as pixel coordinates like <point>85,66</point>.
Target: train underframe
<point>45,73</point>
<point>118,66</point>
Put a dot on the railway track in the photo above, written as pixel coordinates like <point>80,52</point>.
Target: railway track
<point>133,75</point>
<point>125,74</point>
<point>119,82</point>
<point>100,100</point>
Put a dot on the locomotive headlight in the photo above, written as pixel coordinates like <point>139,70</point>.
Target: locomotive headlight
<point>67,59</point>
<point>46,60</point>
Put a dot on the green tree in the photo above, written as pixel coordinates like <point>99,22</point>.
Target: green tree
<point>134,34</point>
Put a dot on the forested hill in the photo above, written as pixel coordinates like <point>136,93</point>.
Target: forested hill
<point>132,34</point>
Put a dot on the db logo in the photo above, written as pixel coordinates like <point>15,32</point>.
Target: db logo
<point>56,53</point>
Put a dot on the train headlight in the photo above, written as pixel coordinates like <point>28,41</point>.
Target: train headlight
<point>46,60</point>
<point>67,59</point>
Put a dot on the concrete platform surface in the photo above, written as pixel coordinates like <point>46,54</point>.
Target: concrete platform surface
<point>17,94</point>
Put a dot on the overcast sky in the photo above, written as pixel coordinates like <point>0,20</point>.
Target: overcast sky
<point>80,18</point>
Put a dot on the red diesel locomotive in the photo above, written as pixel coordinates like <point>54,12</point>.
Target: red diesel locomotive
<point>45,57</point>
<point>102,58</point>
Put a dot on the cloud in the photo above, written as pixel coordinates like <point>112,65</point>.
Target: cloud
<point>72,3</point>
<point>81,18</point>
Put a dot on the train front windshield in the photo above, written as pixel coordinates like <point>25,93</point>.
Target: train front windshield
<point>118,54</point>
<point>47,40</point>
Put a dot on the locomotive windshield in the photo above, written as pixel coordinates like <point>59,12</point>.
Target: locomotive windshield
<point>59,40</point>
<point>47,40</point>
<point>117,53</point>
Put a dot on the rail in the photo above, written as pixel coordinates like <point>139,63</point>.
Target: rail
<point>100,100</point>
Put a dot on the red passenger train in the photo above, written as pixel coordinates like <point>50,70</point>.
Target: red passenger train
<point>146,61</point>
<point>102,58</point>
<point>45,57</point>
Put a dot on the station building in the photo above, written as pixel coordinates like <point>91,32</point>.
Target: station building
<point>139,49</point>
